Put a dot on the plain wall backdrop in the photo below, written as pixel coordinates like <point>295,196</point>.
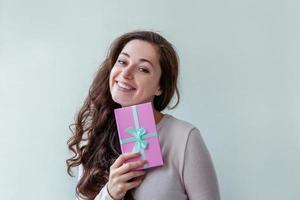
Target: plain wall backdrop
<point>239,81</point>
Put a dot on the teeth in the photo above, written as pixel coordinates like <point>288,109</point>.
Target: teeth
<point>123,85</point>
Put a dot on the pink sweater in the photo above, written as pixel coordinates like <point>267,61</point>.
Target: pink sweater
<point>188,171</point>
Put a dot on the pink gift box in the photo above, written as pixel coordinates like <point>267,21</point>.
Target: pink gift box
<point>137,133</point>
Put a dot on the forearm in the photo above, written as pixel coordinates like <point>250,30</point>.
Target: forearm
<point>102,195</point>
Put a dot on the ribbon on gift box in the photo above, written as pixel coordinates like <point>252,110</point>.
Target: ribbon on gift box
<point>139,136</point>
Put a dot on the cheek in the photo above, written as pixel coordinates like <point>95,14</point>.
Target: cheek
<point>112,75</point>
<point>150,85</point>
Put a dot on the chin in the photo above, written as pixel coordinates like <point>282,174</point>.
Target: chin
<point>122,102</point>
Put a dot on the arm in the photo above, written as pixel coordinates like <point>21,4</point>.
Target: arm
<point>103,194</point>
<point>120,174</point>
<point>199,176</point>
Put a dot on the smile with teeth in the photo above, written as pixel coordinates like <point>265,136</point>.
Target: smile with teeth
<point>124,86</point>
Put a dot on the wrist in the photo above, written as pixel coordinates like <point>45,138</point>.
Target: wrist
<point>111,196</point>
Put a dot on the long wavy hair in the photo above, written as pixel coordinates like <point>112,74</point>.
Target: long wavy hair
<point>94,139</point>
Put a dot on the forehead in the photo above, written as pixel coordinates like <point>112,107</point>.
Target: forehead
<point>141,49</point>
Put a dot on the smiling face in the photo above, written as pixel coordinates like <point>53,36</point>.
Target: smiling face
<point>135,76</point>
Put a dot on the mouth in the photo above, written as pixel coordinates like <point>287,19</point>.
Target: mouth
<point>125,87</point>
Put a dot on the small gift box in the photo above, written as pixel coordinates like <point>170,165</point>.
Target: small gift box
<point>137,133</point>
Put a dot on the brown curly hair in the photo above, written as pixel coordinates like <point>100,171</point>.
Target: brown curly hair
<point>94,139</point>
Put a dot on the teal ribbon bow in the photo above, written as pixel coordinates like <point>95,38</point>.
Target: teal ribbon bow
<point>139,136</point>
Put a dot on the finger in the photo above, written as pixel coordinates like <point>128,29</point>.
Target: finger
<point>123,157</point>
<point>130,166</point>
<point>133,184</point>
<point>132,174</point>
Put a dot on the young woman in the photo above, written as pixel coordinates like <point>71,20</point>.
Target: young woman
<point>140,67</point>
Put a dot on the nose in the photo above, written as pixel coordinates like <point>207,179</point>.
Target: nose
<point>127,72</point>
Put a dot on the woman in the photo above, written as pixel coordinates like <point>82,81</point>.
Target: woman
<point>140,67</point>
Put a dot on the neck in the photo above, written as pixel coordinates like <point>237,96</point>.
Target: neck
<point>157,116</point>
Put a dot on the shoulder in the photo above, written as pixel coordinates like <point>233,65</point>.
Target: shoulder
<point>183,133</point>
<point>174,123</point>
<point>175,133</point>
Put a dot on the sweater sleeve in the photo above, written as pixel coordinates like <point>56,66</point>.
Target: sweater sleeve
<point>199,176</point>
<point>102,195</point>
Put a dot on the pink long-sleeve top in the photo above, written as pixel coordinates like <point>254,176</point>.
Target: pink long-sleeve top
<point>188,171</point>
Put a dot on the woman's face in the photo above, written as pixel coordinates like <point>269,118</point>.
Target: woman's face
<point>135,76</point>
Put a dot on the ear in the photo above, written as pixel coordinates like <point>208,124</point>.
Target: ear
<point>158,92</point>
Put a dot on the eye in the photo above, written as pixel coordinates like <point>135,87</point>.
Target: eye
<point>144,70</point>
<point>122,62</point>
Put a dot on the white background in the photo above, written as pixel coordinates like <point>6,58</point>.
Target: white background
<point>239,83</point>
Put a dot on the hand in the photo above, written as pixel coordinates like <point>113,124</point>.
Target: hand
<point>120,173</point>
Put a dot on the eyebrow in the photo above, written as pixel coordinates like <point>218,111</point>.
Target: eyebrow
<point>141,59</point>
